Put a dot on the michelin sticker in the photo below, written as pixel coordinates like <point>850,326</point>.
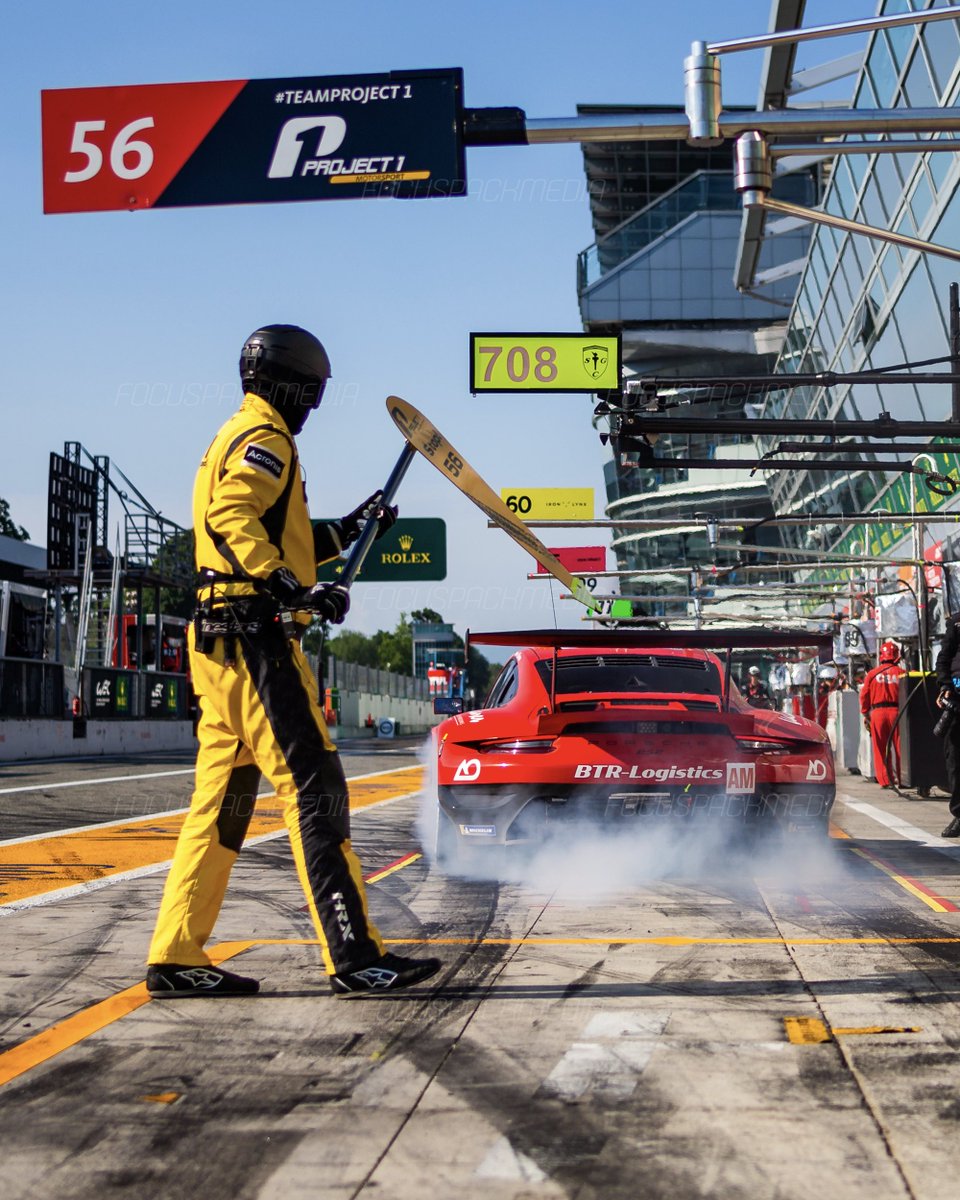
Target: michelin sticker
<point>478,830</point>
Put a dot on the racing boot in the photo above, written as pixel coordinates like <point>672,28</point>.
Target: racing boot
<point>387,974</point>
<point>167,981</point>
<point>953,829</point>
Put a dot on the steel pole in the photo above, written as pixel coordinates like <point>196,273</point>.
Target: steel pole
<point>653,127</point>
<point>834,29</point>
<point>819,217</point>
<point>954,306</point>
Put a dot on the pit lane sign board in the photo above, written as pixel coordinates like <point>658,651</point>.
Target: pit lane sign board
<point>253,141</point>
<point>549,504</point>
<point>414,550</point>
<point>544,362</point>
<point>579,560</point>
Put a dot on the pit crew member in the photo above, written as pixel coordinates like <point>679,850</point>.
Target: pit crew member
<point>879,701</point>
<point>256,554</point>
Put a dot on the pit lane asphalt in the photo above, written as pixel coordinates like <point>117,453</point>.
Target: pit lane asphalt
<point>778,1026</point>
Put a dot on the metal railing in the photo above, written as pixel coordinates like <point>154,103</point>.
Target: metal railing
<point>698,193</point>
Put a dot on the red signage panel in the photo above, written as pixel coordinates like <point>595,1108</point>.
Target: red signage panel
<point>119,147</point>
<point>579,560</point>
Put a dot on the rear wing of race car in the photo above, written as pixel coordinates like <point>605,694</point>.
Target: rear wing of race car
<point>726,640</point>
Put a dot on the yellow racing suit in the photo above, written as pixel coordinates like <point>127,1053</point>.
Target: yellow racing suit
<point>259,704</point>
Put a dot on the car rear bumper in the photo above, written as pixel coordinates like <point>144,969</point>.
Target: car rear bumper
<point>522,814</point>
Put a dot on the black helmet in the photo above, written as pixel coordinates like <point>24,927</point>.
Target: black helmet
<point>288,367</point>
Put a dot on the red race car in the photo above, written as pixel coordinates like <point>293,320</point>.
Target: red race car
<point>618,727</point>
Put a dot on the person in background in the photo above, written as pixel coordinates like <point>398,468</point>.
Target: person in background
<point>757,692</point>
<point>948,678</point>
<point>879,701</point>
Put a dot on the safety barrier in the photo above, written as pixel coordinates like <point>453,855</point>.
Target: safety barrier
<point>31,688</point>
<point>352,677</point>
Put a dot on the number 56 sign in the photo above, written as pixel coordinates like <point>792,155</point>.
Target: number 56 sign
<point>543,362</point>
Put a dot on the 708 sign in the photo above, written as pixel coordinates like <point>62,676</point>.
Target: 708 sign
<point>518,363</point>
<point>543,362</point>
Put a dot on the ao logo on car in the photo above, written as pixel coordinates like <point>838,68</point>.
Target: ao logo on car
<point>467,771</point>
<point>816,770</point>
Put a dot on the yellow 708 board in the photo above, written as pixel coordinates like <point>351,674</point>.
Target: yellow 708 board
<point>543,362</point>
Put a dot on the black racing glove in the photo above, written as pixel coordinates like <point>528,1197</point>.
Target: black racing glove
<point>371,509</point>
<point>284,586</point>
<point>330,601</point>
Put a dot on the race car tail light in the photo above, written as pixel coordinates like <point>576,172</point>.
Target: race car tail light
<point>517,746</point>
<point>767,746</point>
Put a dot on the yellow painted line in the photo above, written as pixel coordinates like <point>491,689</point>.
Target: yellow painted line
<point>938,903</point>
<point>811,1031</point>
<point>407,859</point>
<point>163,1097</point>
<point>674,940</point>
<point>67,860</point>
<point>81,1025</point>
<point>837,832</point>
<point>806,1031</point>
<point>868,1029</point>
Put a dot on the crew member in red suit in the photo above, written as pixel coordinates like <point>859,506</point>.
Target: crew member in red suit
<point>879,703</point>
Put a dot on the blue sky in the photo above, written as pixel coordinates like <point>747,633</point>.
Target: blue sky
<point>115,323</point>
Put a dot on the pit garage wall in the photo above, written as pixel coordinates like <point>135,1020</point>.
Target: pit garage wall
<point>34,738</point>
<point>414,716</point>
<point>45,738</point>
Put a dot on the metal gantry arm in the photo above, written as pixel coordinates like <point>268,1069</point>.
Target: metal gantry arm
<point>753,179</point>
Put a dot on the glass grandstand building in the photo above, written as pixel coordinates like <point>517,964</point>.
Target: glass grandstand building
<point>863,304</point>
<point>662,273</point>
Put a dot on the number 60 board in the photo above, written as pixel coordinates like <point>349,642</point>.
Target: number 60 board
<point>543,362</point>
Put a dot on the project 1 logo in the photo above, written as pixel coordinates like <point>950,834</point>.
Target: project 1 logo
<point>330,132</point>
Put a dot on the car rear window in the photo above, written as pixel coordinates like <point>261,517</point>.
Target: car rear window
<point>632,673</point>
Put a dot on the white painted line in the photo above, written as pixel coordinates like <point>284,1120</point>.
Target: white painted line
<point>93,885</point>
<point>39,837</point>
<point>168,812</point>
<point>611,1070</point>
<point>625,1024</point>
<point>89,782</point>
<point>911,832</point>
<point>504,1161</point>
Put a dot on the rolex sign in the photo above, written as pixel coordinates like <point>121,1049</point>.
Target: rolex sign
<point>413,551</point>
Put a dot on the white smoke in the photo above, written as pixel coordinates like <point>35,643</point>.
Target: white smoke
<point>590,861</point>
